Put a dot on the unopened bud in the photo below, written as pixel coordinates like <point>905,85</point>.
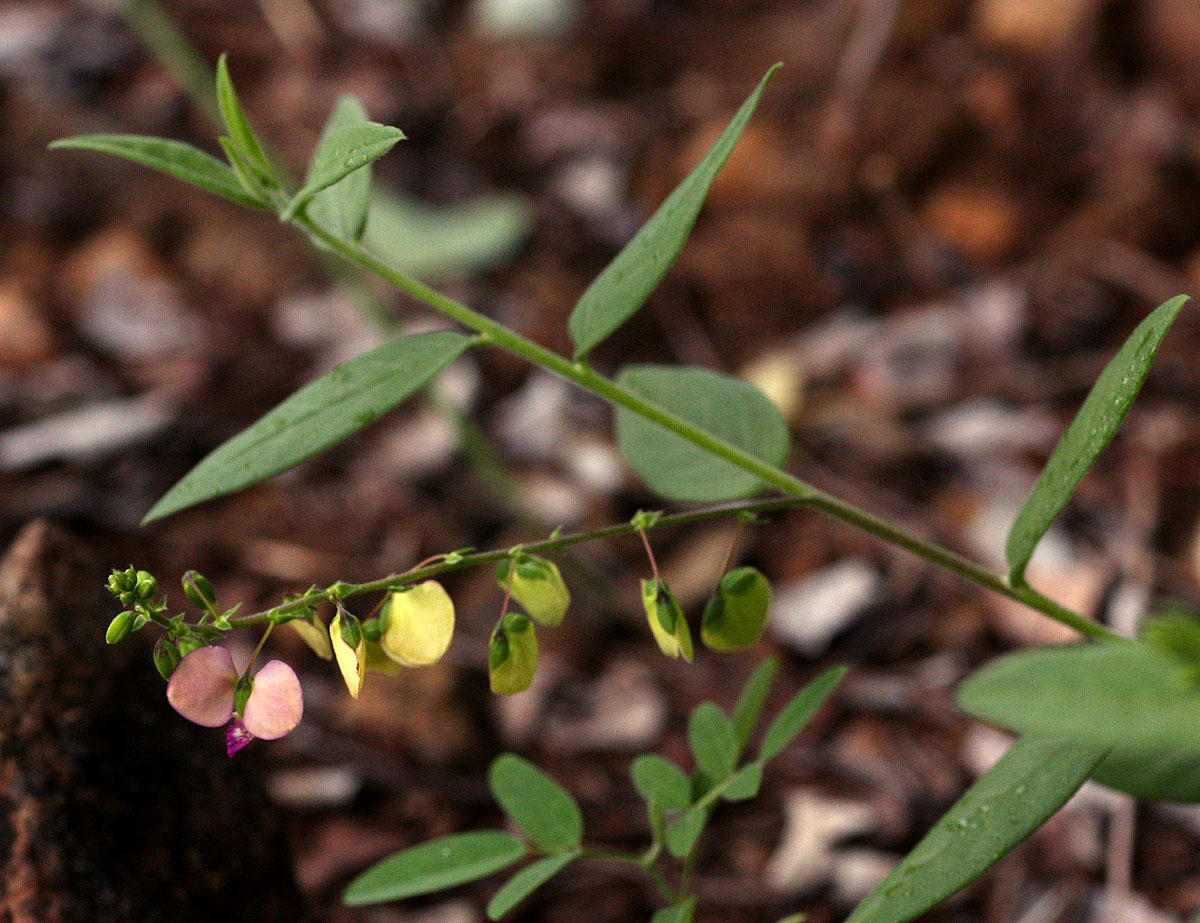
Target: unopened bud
<point>198,590</point>
<point>512,655</point>
<point>537,585</point>
<point>146,586</point>
<point>119,628</point>
<point>667,624</point>
<point>418,623</point>
<point>350,649</point>
<point>166,657</point>
<point>128,598</point>
<point>737,614</point>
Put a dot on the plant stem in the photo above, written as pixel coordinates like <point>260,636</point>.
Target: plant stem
<point>584,376</point>
<point>656,876</point>
<point>547,546</point>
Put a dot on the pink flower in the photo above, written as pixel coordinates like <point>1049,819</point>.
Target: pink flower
<point>202,689</point>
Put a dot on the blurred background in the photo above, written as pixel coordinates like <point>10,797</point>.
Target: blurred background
<point>943,220</point>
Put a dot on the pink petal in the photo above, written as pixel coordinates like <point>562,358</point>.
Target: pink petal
<point>275,705</point>
<point>201,688</point>
<point>236,737</point>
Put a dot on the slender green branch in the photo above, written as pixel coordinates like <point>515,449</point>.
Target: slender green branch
<point>585,377</point>
<point>343,590</point>
<point>656,876</point>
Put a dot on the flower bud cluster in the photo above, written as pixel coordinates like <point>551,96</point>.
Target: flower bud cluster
<point>538,587</point>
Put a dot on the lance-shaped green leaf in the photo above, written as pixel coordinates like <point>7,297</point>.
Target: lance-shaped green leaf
<point>676,913</point>
<point>174,158</point>
<point>341,153</point>
<point>1008,803</point>
<point>342,208</point>
<point>240,133</point>
<point>752,699</point>
<point>728,408</point>
<point>625,284</point>
<point>525,882</point>
<point>434,866</point>
<point>798,712</point>
<point>320,414</point>
<point>661,781</point>
<point>449,240</point>
<point>1128,699</point>
<point>713,741</point>
<point>541,808</point>
<point>1092,429</point>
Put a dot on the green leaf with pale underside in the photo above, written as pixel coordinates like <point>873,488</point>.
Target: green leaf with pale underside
<point>321,414</point>
<point>341,209</point>
<point>341,153</point>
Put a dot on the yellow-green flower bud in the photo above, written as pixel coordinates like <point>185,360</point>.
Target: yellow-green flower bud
<point>667,624</point>
<point>737,614</point>
<point>418,622</point>
<point>512,655</point>
<point>314,635</point>
<point>350,649</point>
<point>537,585</point>
<point>119,628</point>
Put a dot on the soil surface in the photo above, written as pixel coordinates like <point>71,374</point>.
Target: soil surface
<point>942,221</point>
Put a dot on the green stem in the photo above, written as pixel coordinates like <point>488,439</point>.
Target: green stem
<point>656,876</point>
<point>584,376</point>
<point>342,590</point>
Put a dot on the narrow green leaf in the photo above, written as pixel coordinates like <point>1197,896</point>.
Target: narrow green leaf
<point>1008,803</point>
<point>434,866</point>
<point>661,781</point>
<point>174,158</point>
<point>341,153</point>
<point>685,831</point>
<point>676,913</point>
<point>450,240</point>
<point>525,882</point>
<point>320,414</point>
<point>1092,429</point>
<point>727,408</point>
<point>1139,704</point>
<point>238,126</point>
<point>255,187</point>
<point>752,699</point>
<point>713,741</point>
<point>745,783</point>
<point>798,712</point>
<point>541,808</point>
<point>625,284</point>
<point>342,208</point>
